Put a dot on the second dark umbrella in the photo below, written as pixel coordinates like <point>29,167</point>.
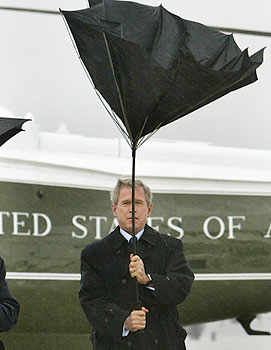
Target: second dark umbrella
<point>10,127</point>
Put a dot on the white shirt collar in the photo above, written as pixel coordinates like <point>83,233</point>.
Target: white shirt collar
<point>127,235</point>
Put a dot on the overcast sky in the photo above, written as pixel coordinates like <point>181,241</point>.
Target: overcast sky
<point>40,73</point>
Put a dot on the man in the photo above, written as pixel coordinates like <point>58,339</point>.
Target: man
<point>9,307</point>
<point>108,270</point>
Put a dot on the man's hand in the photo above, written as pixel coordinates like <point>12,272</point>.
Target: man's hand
<point>137,269</point>
<point>136,320</point>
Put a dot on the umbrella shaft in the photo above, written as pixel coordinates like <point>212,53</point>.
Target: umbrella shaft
<point>133,198</point>
<point>137,301</point>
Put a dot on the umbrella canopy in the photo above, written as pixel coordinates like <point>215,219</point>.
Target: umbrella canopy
<point>9,127</point>
<point>153,67</point>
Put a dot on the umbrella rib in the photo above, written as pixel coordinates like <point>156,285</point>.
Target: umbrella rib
<point>117,86</point>
<point>114,117</point>
<point>141,130</point>
<point>147,137</point>
<point>116,121</point>
<point>112,113</point>
<point>121,130</point>
<point>101,98</point>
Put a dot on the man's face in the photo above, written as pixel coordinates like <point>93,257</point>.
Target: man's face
<point>123,209</point>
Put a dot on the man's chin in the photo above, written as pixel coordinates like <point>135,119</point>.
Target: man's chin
<point>129,229</point>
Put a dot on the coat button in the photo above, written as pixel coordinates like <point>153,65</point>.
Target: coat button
<point>129,343</point>
<point>123,281</point>
<point>106,320</point>
<point>156,341</point>
<point>167,278</point>
<point>118,251</point>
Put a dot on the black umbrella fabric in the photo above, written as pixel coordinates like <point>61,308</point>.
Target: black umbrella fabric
<point>9,127</point>
<point>153,67</point>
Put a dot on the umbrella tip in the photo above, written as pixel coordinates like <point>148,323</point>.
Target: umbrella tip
<point>29,116</point>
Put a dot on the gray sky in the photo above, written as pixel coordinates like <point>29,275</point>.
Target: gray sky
<point>40,73</point>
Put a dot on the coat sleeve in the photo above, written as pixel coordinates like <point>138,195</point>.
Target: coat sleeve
<point>106,317</point>
<point>173,287</point>
<point>9,307</point>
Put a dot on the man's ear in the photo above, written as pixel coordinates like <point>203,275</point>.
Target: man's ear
<point>114,209</point>
<point>149,209</point>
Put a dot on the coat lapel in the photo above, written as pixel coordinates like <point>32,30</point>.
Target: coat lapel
<point>118,248</point>
<point>147,243</point>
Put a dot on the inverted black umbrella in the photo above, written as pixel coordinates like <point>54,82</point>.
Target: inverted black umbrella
<point>9,127</point>
<point>153,67</point>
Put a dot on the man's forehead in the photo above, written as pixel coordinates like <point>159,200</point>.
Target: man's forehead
<point>126,191</point>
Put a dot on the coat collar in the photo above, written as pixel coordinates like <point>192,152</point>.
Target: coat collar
<point>149,236</point>
<point>116,239</point>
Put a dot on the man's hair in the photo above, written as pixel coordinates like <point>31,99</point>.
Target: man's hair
<point>114,195</point>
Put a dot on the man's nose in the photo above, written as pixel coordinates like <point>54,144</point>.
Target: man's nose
<point>131,208</point>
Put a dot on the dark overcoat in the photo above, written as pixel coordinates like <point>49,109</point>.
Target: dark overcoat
<point>107,291</point>
<point>9,307</point>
